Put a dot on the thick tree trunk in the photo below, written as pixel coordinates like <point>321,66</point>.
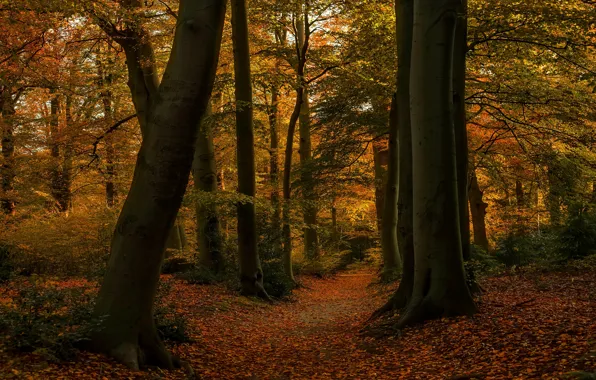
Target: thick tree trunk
<point>125,301</point>
<point>251,274</point>
<point>380,183</point>
<point>440,287</point>
<point>7,170</point>
<point>478,208</point>
<point>391,259</point>
<point>205,181</point>
<point>459,120</point>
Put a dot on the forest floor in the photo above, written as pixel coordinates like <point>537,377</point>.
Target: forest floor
<point>529,327</point>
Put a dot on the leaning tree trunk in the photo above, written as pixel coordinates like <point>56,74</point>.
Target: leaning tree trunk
<point>7,170</point>
<point>204,173</point>
<point>478,208</point>
<point>251,274</point>
<point>391,260</point>
<point>124,305</point>
<point>440,287</point>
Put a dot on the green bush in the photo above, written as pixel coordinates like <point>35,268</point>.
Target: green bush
<point>578,236</point>
<point>6,268</point>
<point>200,275</point>
<point>48,321</point>
<point>275,281</point>
<point>524,249</point>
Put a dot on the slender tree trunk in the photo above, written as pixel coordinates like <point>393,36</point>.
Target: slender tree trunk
<point>276,225</point>
<point>251,274</point>
<point>478,208</point>
<point>7,170</point>
<point>301,50</point>
<point>125,301</point>
<point>311,238</point>
<point>380,183</point>
<point>519,194</point>
<point>58,189</point>
<point>105,83</point>
<point>440,287</point>
<point>459,120</point>
<point>205,181</point>
<point>391,260</point>
<point>553,199</point>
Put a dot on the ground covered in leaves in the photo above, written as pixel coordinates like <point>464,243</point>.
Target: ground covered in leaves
<point>530,326</point>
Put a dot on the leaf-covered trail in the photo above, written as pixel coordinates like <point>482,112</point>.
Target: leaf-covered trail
<point>528,327</point>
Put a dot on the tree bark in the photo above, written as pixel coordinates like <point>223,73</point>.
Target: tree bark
<point>205,181</point>
<point>391,260</point>
<point>301,50</point>
<point>276,225</point>
<point>459,120</point>
<point>7,170</point>
<point>440,287</point>
<point>519,194</point>
<point>125,301</point>
<point>105,83</point>
<point>59,186</point>
<point>380,183</point>
<point>405,229</point>
<point>251,274</point>
<point>478,208</point>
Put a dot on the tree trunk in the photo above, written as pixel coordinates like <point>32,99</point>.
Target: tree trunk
<point>391,260</point>
<point>478,208</point>
<point>125,301</point>
<point>205,181</point>
<point>7,170</point>
<point>59,189</point>
<point>311,238</point>
<point>105,83</point>
<point>440,287</point>
<point>459,121</point>
<point>380,183</point>
<point>519,194</point>
<point>287,191</point>
<point>251,274</point>
<point>276,225</point>
<point>405,229</point>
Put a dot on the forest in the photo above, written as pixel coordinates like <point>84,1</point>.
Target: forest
<point>298,189</point>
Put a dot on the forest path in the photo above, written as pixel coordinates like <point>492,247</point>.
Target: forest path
<point>314,336</point>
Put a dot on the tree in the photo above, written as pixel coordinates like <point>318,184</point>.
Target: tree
<point>204,174</point>
<point>251,274</point>
<point>440,287</point>
<point>125,302</point>
<point>7,170</point>
<point>391,260</point>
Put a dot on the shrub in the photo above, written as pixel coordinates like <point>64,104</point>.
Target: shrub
<point>578,236</point>
<point>5,266</point>
<point>523,249</point>
<point>48,321</point>
<point>275,281</point>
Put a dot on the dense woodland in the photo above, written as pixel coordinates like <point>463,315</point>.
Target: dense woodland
<point>279,189</point>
